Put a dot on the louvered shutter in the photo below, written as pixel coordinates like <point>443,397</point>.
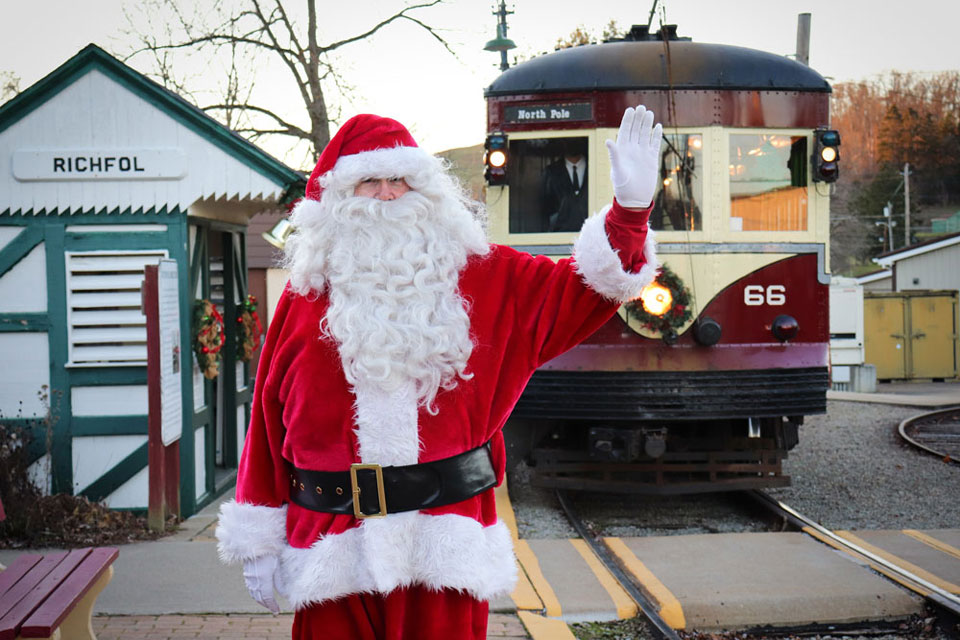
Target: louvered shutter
<point>105,325</point>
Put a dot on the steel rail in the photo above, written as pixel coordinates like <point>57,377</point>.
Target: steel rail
<point>941,598</point>
<point>902,430</point>
<point>660,627</point>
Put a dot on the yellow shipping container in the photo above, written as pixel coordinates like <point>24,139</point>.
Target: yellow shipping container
<point>911,334</point>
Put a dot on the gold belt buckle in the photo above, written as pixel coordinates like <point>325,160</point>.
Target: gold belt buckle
<point>355,488</point>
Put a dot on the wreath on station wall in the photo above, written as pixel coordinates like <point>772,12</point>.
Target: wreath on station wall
<point>249,329</point>
<point>207,337</point>
<point>676,316</point>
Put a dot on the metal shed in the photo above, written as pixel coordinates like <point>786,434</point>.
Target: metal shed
<point>912,330</point>
<point>103,171</point>
<point>933,264</point>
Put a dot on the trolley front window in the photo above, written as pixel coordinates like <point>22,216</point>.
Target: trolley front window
<point>548,184</point>
<point>677,204</point>
<point>768,182</point>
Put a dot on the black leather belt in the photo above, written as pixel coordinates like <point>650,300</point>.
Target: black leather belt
<point>370,491</point>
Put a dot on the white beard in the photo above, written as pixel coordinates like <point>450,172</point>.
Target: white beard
<point>391,270</point>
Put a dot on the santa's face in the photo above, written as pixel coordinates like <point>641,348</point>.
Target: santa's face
<point>389,257</point>
<point>381,188</point>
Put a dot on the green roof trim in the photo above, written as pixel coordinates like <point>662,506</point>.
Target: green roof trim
<point>93,57</point>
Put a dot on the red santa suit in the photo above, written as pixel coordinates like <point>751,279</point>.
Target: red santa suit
<point>523,311</point>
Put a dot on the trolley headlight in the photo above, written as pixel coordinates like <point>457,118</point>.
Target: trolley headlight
<point>656,299</point>
<point>495,159</point>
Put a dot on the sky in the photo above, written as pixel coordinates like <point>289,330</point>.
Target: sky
<point>402,72</point>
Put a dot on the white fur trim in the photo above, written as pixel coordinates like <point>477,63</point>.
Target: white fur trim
<point>247,531</point>
<point>391,162</point>
<point>386,430</point>
<point>600,266</point>
<point>448,551</point>
<point>307,208</point>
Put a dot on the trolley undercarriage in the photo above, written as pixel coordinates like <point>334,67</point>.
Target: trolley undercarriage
<point>663,432</point>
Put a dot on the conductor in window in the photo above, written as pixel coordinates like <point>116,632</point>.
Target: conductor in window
<point>564,188</point>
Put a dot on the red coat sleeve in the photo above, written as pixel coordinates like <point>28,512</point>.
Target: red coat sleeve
<point>627,232</point>
<point>551,309</point>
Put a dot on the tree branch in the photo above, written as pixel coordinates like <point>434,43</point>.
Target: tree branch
<point>253,133</point>
<point>297,55</point>
<point>292,129</point>
<point>432,32</point>
<point>215,39</point>
<point>367,34</point>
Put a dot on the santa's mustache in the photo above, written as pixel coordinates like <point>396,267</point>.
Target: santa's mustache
<point>410,208</point>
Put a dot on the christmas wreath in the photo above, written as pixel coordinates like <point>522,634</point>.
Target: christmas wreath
<point>249,329</point>
<point>675,316</point>
<point>207,337</point>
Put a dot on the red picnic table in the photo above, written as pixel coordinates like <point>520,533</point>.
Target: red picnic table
<point>52,595</point>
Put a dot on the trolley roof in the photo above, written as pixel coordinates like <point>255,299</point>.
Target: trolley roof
<point>613,66</point>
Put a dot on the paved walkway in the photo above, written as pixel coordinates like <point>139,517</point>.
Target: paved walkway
<point>228,627</point>
<point>176,588</point>
<point>933,395</point>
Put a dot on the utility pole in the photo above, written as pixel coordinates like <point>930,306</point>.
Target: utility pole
<point>906,204</point>
<point>887,214</point>
<point>803,38</point>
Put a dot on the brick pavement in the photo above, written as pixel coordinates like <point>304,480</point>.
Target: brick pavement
<point>237,626</point>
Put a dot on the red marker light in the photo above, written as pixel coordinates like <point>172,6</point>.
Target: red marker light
<point>785,328</point>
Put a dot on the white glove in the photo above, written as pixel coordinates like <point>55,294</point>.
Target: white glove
<point>635,158</point>
<point>260,574</point>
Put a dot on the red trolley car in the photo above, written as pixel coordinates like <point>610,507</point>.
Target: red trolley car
<point>702,385</point>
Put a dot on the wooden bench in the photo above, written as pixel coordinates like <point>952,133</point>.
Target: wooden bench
<point>52,595</point>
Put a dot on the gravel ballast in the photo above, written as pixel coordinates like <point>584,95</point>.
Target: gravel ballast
<point>852,470</point>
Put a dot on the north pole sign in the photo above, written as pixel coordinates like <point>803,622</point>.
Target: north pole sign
<point>98,164</point>
<point>551,112</point>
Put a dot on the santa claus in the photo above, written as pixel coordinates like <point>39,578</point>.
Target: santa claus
<point>399,348</point>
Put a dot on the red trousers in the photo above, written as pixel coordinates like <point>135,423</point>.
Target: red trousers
<point>412,613</point>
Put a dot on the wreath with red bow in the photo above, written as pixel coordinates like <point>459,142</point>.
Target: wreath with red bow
<point>249,329</point>
<point>207,337</point>
<point>676,316</point>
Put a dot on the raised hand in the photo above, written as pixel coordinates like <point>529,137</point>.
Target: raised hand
<point>635,158</point>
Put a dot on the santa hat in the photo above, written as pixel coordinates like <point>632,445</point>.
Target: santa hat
<point>368,146</point>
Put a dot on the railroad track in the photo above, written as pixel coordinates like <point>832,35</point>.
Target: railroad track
<point>658,626</point>
<point>937,433</point>
<point>944,603</point>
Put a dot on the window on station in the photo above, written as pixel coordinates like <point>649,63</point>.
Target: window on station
<point>768,182</point>
<point>677,204</point>
<point>548,184</point>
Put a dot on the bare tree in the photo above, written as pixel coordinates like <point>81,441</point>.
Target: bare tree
<point>244,34</point>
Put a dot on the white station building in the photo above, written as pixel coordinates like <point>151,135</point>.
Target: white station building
<point>103,171</point>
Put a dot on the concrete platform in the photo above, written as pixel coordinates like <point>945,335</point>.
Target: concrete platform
<point>931,555</point>
<point>737,581</point>
<point>574,585</point>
